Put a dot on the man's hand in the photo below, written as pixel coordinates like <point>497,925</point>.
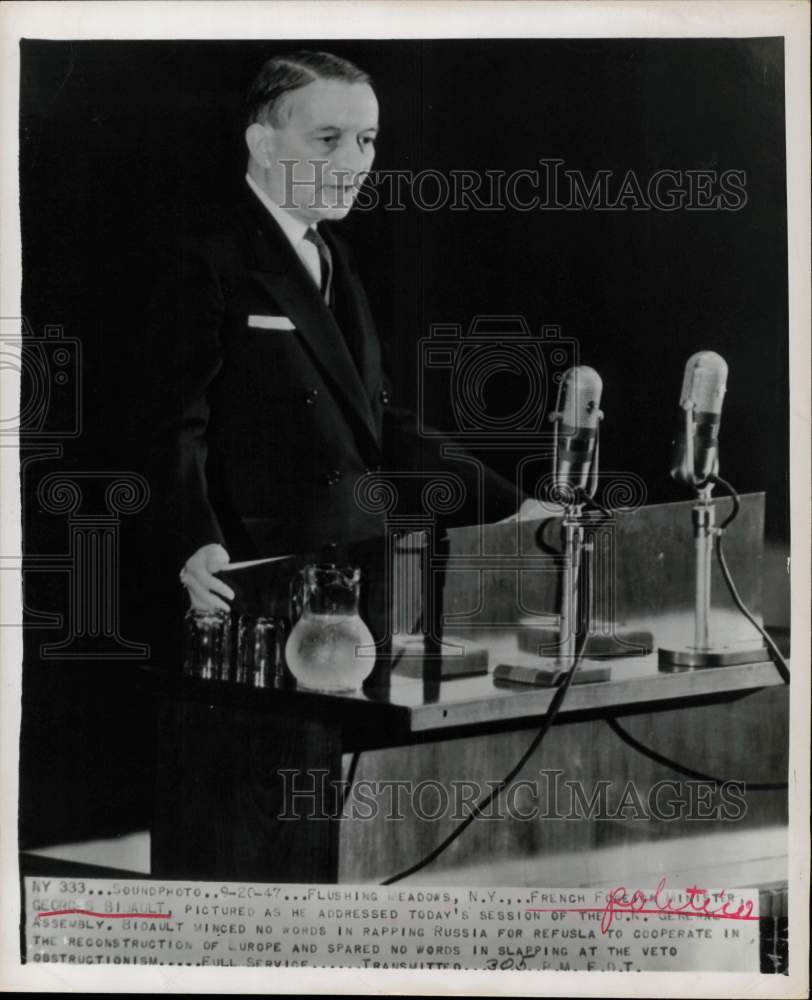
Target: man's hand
<point>198,577</point>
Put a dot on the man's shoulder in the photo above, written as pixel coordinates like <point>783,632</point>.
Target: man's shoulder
<point>218,232</point>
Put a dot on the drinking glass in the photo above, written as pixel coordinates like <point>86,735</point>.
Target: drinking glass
<point>207,644</point>
<point>259,651</point>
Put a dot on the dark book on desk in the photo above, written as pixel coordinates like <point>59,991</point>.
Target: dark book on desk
<point>471,661</point>
<point>514,673</point>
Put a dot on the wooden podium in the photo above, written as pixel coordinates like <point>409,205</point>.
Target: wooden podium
<point>249,780</point>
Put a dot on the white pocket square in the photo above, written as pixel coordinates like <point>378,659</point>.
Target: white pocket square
<point>270,323</point>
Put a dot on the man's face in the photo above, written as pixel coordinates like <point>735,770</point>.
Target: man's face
<point>319,157</point>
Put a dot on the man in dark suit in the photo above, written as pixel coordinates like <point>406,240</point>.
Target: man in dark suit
<point>281,396</point>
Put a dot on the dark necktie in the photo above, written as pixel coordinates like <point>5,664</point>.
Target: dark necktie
<point>348,329</point>
<point>326,258</point>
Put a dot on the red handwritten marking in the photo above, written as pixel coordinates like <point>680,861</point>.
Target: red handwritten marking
<point>618,902</point>
<point>107,916</point>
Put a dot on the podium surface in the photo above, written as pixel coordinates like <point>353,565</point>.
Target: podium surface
<point>230,756</point>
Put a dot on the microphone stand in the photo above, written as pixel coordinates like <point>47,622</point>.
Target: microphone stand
<point>572,526</point>
<point>703,516</point>
<point>569,622</point>
<point>560,643</point>
<point>703,653</point>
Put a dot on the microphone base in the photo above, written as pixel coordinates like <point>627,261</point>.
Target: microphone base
<point>547,642</point>
<point>681,660</point>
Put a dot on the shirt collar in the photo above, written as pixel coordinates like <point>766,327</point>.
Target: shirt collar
<point>293,228</point>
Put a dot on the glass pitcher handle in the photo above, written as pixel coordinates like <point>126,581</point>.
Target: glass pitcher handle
<point>296,598</point>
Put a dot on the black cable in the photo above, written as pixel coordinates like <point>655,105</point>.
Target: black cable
<point>350,780</point>
<point>541,539</point>
<point>755,786</point>
<point>552,711</point>
<point>591,503</point>
<point>582,498</point>
<point>779,661</point>
<point>781,664</point>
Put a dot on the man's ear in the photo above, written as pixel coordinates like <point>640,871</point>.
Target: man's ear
<point>260,141</point>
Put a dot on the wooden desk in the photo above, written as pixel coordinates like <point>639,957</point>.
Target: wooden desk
<point>229,756</point>
<point>222,749</point>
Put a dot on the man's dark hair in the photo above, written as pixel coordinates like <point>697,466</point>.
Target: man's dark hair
<point>282,74</point>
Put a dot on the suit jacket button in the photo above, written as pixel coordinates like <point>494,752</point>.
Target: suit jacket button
<point>333,477</point>
<point>311,396</point>
<point>385,396</point>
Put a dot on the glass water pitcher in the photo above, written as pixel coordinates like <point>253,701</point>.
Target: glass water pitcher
<point>329,648</point>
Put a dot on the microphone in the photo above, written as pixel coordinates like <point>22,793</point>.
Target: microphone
<point>575,477</point>
<point>696,444</point>
<point>578,414</point>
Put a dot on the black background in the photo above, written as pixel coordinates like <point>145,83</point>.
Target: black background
<point>123,143</point>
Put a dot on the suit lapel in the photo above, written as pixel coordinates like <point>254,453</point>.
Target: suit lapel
<point>354,316</point>
<point>282,273</point>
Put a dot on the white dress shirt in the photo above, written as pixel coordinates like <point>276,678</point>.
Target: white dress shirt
<point>293,229</point>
